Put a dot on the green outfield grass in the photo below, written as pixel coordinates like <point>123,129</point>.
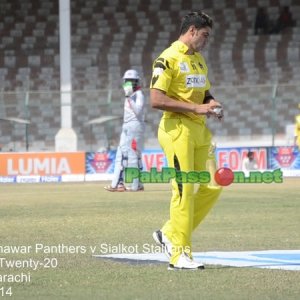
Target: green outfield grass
<point>247,217</point>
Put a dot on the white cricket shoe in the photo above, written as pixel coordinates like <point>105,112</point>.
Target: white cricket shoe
<point>186,263</point>
<point>139,189</point>
<point>118,188</point>
<point>164,242</point>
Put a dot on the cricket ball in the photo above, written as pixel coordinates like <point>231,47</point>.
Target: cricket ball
<point>224,176</point>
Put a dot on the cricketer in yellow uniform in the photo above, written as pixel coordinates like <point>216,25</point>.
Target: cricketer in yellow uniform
<point>297,130</point>
<point>185,140</point>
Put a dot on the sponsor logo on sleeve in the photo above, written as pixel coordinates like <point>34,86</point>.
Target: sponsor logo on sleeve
<point>160,65</point>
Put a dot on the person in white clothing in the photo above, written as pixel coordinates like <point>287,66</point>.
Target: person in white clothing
<point>249,163</point>
<point>131,140</point>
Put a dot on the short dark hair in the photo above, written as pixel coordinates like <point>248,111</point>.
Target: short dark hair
<point>197,18</point>
<point>250,153</point>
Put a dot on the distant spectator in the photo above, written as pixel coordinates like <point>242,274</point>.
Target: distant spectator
<point>249,163</point>
<point>261,21</point>
<point>297,130</point>
<point>284,20</point>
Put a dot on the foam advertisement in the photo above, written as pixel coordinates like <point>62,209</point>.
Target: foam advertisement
<point>233,157</point>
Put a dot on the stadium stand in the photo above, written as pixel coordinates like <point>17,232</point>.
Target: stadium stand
<point>109,36</point>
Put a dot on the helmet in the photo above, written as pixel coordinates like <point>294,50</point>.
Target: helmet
<point>131,74</point>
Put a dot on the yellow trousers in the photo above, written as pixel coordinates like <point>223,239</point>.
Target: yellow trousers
<point>186,145</point>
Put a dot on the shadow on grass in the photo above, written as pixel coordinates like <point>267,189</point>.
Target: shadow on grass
<point>154,262</point>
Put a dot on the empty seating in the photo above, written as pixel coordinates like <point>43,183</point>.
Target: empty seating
<point>111,36</point>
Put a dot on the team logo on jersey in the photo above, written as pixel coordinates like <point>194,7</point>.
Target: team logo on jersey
<point>201,66</point>
<point>157,71</point>
<point>159,66</point>
<point>184,67</point>
<point>195,81</point>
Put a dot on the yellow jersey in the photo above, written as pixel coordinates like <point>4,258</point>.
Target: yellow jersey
<point>297,130</point>
<point>182,77</point>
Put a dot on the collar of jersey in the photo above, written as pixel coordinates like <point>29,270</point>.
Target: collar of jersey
<point>182,47</point>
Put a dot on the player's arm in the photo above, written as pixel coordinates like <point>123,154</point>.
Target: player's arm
<point>160,100</point>
<point>208,97</point>
<point>137,105</point>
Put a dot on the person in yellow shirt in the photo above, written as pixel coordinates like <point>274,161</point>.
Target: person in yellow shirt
<point>180,87</point>
<point>297,130</point>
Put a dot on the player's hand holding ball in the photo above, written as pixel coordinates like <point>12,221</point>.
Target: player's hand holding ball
<point>216,109</point>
